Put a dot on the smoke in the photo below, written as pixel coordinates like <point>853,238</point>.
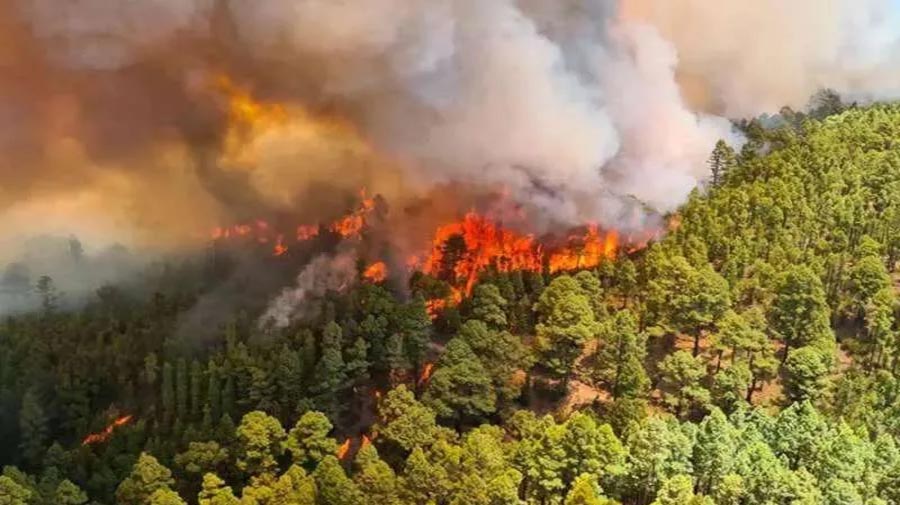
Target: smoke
<point>115,125</point>
<point>77,271</point>
<point>743,58</point>
<point>324,273</point>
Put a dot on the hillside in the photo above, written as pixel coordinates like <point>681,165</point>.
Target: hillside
<point>748,357</point>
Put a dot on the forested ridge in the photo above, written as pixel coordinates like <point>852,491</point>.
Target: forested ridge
<point>749,357</point>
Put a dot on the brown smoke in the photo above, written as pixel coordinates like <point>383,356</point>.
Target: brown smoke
<point>150,122</point>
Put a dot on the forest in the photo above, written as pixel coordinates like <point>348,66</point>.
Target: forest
<point>748,356</point>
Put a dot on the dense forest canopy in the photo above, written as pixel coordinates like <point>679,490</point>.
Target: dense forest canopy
<point>749,357</point>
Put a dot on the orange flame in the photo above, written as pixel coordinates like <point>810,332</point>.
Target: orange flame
<point>280,248</point>
<point>481,244</point>
<point>351,225</point>
<point>103,436</point>
<point>585,252</point>
<point>426,373</point>
<point>376,272</point>
<point>366,441</point>
<point>307,231</point>
<point>461,251</point>
<point>435,306</point>
<point>343,449</point>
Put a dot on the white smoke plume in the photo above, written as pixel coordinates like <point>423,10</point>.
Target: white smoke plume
<point>579,108</point>
<point>323,274</point>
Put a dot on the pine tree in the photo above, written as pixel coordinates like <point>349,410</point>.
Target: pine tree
<point>799,313</point>
<point>215,492</point>
<point>33,428</point>
<point>168,393</point>
<point>67,493</point>
<point>460,387</point>
<point>489,306</point>
<point>713,451</point>
<point>502,355</point>
<point>721,161</point>
<point>309,441</point>
<point>404,421</point>
<point>147,476</point>
<point>329,377</point>
<point>11,493</point>
<point>165,496</point>
<point>181,390</point>
<point>334,487</point>
<point>294,487</point>
<point>585,491</point>
<point>566,322</point>
<point>620,359</point>
<point>214,392</point>
<point>260,440</point>
<point>197,399</point>
<point>680,375</point>
<point>375,478</point>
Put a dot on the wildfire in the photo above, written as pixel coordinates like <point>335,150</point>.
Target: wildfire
<point>307,232</point>
<point>586,251</point>
<point>427,370</point>
<point>376,272</point>
<point>343,449</point>
<point>103,436</point>
<point>365,442</point>
<point>351,225</point>
<point>280,248</point>
<point>461,251</point>
<point>348,227</point>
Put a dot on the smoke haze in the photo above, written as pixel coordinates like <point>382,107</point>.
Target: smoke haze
<point>115,124</point>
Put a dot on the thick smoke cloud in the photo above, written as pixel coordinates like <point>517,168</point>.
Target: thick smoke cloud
<point>743,58</point>
<point>112,127</point>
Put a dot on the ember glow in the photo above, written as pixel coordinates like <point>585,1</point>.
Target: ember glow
<point>376,272</point>
<point>103,436</point>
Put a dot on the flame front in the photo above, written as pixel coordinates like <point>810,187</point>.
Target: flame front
<point>376,272</point>
<point>351,225</point>
<point>461,251</point>
<point>103,436</point>
<point>348,227</point>
<point>586,251</point>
